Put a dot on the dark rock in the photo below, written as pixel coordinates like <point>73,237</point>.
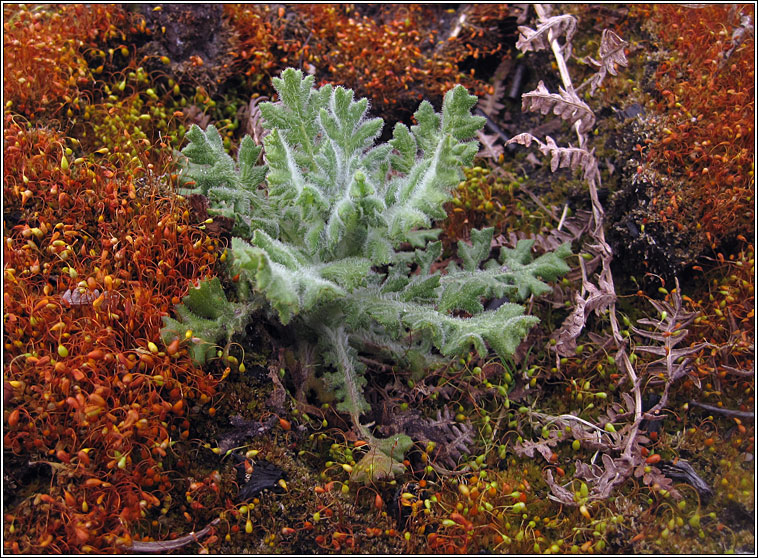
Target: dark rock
<point>264,476</point>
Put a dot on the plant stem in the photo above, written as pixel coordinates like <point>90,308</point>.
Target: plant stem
<point>557,51</point>
<point>599,235</point>
<point>339,341</point>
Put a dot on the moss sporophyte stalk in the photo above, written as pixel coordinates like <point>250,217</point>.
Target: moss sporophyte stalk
<point>332,239</point>
<point>117,442</point>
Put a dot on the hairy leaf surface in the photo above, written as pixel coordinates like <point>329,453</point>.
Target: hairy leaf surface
<point>338,246</point>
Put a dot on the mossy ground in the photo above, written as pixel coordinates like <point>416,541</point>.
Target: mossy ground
<point>501,503</point>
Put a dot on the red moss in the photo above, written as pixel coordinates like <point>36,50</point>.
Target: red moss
<point>89,389</point>
<point>709,113</point>
<point>393,58</point>
<point>727,322</point>
<point>44,63</point>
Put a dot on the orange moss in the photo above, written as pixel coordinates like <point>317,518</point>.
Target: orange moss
<point>707,84</point>
<point>727,322</point>
<point>90,389</point>
<point>257,43</point>
<point>394,57</point>
<point>44,62</point>
<point>93,259</point>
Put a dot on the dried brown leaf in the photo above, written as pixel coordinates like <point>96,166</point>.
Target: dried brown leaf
<point>611,54</point>
<point>595,300</point>
<point>668,332</point>
<point>565,104</point>
<point>491,104</point>
<point>571,157</point>
<point>543,447</point>
<point>560,494</point>
<point>562,157</point>
<point>602,480</point>
<point>553,27</point>
<point>489,149</point>
<point>250,116</point>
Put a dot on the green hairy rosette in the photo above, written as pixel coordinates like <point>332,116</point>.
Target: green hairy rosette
<point>322,233</point>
